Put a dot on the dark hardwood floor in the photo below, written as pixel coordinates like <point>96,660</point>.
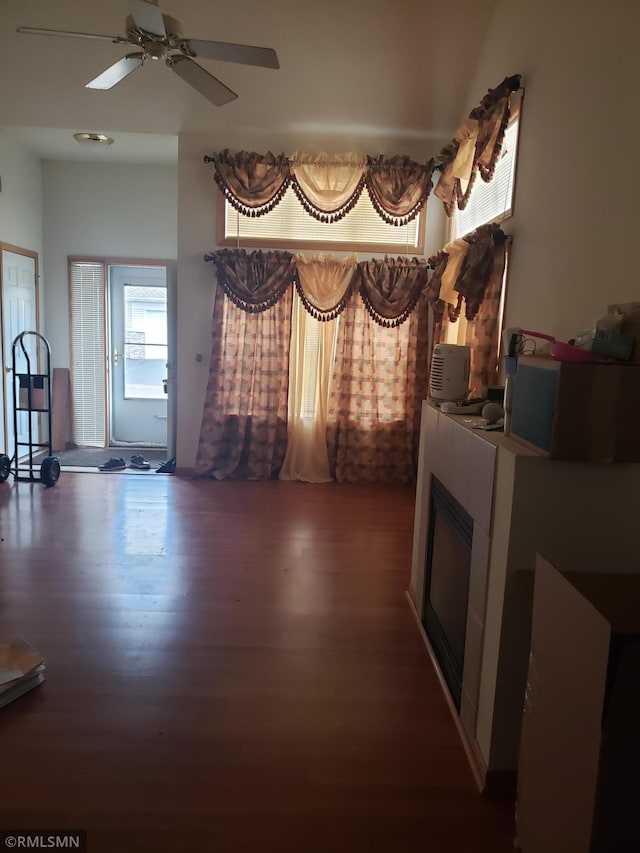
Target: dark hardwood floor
<point>230,667</point>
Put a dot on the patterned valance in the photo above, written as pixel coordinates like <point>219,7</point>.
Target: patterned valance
<point>398,187</point>
<point>324,283</point>
<point>252,183</point>
<point>484,258</point>
<point>475,147</point>
<point>328,185</point>
<point>390,288</point>
<point>253,281</point>
<point>464,268</point>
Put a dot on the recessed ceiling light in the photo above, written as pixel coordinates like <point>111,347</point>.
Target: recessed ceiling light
<point>89,138</point>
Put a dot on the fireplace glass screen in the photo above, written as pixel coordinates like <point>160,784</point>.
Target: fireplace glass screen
<point>447,584</point>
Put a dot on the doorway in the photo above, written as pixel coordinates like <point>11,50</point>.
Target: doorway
<point>19,290</point>
<point>122,344</point>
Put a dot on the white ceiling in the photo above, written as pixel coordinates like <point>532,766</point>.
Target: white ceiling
<point>388,76</point>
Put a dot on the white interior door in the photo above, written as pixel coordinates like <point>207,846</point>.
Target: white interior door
<point>138,338</point>
<point>19,314</point>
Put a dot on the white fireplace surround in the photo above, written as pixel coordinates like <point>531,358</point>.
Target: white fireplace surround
<point>579,516</point>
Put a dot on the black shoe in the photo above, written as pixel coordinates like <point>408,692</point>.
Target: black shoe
<point>140,462</point>
<point>167,467</point>
<point>114,465</point>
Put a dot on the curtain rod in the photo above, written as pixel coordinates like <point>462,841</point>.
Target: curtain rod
<point>291,161</point>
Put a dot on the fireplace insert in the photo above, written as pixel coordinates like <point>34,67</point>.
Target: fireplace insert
<point>448,566</point>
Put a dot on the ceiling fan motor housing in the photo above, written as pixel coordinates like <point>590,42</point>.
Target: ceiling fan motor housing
<point>172,26</point>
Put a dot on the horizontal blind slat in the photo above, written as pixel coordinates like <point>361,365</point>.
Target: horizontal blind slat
<point>289,222</point>
<point>490,201</point>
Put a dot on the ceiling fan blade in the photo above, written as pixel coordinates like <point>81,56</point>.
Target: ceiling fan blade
<point>265,57</point>
<point>205,83</point>
<point>116,72</point>
<point>38,31</point>
<point>148,17</point>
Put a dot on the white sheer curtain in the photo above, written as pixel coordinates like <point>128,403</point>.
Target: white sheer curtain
<point>324,280</point>
<point>328,182</point>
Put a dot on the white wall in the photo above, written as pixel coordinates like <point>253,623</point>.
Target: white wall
<point>21,196</point>
<point>196,288</point>
<point>575,222</point>
<point>20,216</point>
<point>101,210</point>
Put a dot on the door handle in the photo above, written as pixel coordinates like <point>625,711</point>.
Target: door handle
<point>116,356</point>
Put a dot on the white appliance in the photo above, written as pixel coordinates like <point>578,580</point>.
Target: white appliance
<point>450,366</point>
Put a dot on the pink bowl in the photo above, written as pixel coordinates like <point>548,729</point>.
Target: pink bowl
<point>566,352</point>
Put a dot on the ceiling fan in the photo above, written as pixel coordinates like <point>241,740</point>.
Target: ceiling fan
<point>158,37</point>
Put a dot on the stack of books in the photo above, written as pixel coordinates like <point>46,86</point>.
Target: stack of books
<point>21,669</point>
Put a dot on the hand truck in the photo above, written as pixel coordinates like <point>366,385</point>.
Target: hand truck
<point>31,394</point>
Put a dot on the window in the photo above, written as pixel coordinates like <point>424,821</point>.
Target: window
<point>289,226</point>
<point>88,342</point>
<point>145,346</point>
<point>492,202</point>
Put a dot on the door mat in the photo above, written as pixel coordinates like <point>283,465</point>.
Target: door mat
<point>93,457</point>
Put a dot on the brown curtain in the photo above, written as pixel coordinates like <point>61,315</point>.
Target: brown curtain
<point>493,116</point>
<point>379,381</point>
<point>390,288</point>
<point>244,422</point>
<point>254,281</point>
<point>252,183</point>
<point>398,187</point>
<point>489,121</point>
<point>483,260</point>
<point>477,287</point>
<point>467,274</point>
<point>483,332</point>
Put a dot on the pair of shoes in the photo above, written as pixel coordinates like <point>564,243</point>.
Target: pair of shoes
<point>140,462</point>
<point>113,465</point>
<point>167,467</point>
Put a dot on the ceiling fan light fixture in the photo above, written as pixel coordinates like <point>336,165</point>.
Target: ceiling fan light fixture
<point>93,138</point>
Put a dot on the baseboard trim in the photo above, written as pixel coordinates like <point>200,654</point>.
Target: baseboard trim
<point>474,758</point>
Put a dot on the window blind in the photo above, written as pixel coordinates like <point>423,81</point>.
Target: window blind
<point>290,223</point>
<point>490,202</point>
<point>88,353</point>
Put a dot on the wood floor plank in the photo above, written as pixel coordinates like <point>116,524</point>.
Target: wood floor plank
<point>230,667</point>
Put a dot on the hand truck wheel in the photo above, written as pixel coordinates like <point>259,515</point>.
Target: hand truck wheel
<point>50,471</point>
